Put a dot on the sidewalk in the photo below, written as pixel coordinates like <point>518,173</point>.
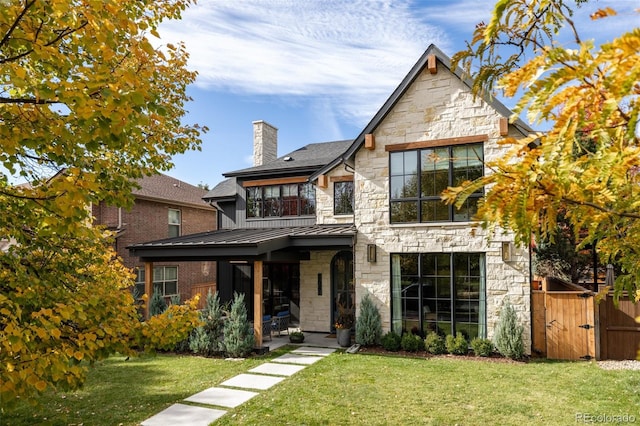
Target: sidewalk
<point>241,388</point>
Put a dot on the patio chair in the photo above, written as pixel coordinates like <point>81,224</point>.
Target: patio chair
<point>280,322</point>
<point>266,327</point>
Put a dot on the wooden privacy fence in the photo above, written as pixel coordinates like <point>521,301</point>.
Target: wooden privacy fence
<point>202,289</point>
<point>571,325</point>
<point>619,332</point>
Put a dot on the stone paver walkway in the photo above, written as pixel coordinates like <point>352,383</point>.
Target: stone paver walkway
<point>237,390</point>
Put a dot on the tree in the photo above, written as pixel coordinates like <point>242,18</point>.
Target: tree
<point>238,335</point>
<point>87,105</point>
<point>368,323</point>
<point>588,163</point>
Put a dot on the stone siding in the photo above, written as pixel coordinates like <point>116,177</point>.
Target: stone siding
<point>434,107</point>
<point>324,202</point>
<point>315,310</point>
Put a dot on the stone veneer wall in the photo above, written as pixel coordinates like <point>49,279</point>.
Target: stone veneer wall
<point>315,310</point>
<point>324,202</point>
<point>434,107</point>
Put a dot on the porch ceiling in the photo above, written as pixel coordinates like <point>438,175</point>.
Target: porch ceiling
<point>245,243</point>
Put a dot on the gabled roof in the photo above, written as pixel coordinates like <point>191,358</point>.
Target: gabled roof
<point>167,189</point>
<point>397,94</point>
<point>307,159</point>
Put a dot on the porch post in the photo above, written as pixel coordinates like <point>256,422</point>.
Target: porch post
<point>257,302</point>
<point>148,286</point>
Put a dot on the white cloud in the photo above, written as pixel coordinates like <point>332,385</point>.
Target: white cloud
<point>351,52</point>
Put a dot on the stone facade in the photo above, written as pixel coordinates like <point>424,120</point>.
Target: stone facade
<point>265,143</point>
<point>315,309</point>
<point>435,106</point>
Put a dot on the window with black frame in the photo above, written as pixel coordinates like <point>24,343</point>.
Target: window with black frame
<point>343,198</point>
<point>298,199</point>
<point>418,178</point>
<point>441,292</point>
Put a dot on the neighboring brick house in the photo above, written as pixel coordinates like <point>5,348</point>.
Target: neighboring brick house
<point>164,207</point>
<point>334,221</point>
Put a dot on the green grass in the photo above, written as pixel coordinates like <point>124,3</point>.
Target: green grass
<point>352,389</point>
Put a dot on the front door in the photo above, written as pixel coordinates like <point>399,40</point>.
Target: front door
<point>342,286</point>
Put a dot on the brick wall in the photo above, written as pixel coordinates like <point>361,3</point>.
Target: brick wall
<point>147,221</point>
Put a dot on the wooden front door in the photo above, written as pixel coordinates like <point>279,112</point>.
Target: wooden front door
<point>570,323</point>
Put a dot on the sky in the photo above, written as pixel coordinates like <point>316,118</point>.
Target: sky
<point>318,70</point>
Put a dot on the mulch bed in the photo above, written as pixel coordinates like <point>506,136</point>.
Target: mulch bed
<point>379,350</point>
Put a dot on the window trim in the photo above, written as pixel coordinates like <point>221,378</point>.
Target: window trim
<point>140,273</point>
<point>335,205</point>
<point>176,225</point>
<point>482,297</point>
<point>418,199</point>
<point>298,199</point>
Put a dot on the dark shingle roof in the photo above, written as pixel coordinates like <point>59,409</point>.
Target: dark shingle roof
<point>168,189</point>
<point>224,190</point>
<point>306,159</point>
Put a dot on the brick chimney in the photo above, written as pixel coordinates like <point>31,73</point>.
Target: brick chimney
<point>265,143</point>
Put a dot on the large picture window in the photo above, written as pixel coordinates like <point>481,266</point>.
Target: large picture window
<point>419,176</point>
<point>442,292</point>
<point>281,200</point>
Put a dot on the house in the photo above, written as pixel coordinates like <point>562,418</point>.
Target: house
<point>320,227</point>
<point>164,207</point>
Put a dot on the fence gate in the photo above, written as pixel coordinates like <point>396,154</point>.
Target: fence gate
<point>570,325</point>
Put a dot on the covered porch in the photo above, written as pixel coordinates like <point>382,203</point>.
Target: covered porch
<point>262,263</point>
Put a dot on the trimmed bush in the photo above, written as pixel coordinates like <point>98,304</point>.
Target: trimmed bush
<point>508,337</point>
<point>457,345</point>
<point>434,344</point>
<point>238,334</point>
<point>207,339</point>
<point>391,341</point>
<point>411,342</point>
<point>369,323</point>
<point>482,347</point>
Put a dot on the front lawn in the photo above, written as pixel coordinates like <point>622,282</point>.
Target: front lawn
<point>352,389</point>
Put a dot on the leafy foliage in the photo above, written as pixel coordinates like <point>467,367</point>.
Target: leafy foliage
<point>369,323</point>
<point>87,105</point>
<point>587,164</point>
<point>411,342</point>
<point>391,341</point>
<point>508,337</point>
<point>457,345</point>
<point>434,344</point>
<point>238,334</point>
<point>482,347</point>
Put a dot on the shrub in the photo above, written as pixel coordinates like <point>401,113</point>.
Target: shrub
<point>434,344</point>
<point>457,345</point>
<point>411,342</point>
<point>238,334</point>
<point>157,304</point>
<point>482,347</point>
<point>369,323</point>
<point>391,341</point>
<point>207,339</point>
<point>508,337</point>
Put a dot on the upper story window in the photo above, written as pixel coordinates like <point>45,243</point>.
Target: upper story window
<point>174,223</point>
<point>419,176</point>
<point>343,197</point>
<point>297,199</point>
